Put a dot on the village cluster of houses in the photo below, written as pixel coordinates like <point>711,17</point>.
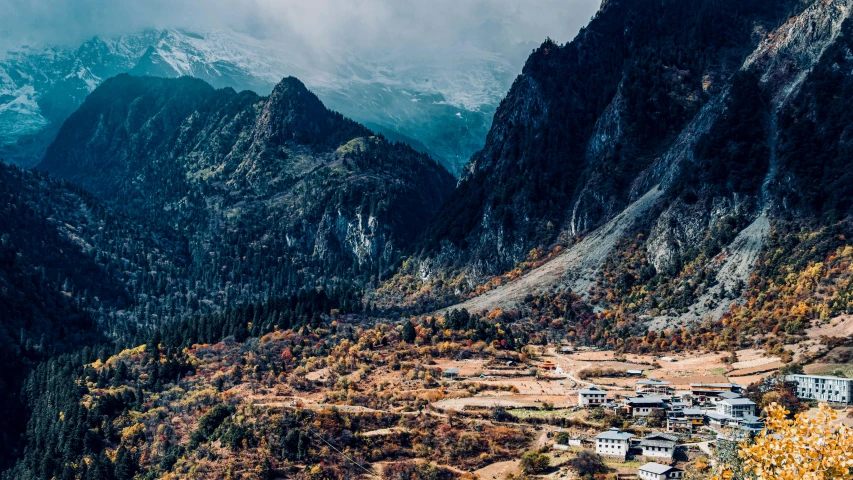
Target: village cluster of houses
<point>719,406</point>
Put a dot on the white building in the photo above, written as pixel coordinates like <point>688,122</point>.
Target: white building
<point>613,443</point>
<point>736,407</point>
<point>658,445</point>
<point>824,389</point>
<point>656,471</point>
<point>592,396</point>
<point>643,406</point>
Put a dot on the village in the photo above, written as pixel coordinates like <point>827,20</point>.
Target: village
<point>647,417</point>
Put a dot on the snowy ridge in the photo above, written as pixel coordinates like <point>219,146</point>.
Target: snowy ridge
<point>445,106</point>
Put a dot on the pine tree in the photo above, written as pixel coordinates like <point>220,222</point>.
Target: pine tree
<point>409,333</point>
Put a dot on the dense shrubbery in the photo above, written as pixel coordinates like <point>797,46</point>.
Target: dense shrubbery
<point>117,405</point>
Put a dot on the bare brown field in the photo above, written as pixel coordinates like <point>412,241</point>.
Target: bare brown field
<point>767,367</point>
<point>840,326</point>
<point>498,471</point>
<point>467,368</point>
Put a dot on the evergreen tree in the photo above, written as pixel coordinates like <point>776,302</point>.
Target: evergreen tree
<point>409,333</point>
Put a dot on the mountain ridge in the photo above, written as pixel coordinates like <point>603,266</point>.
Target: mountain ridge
<point>716,164</point>
<point>447,109</point>
<point>205,160</point>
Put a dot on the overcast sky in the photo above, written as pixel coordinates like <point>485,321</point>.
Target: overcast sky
<point>358,25</point>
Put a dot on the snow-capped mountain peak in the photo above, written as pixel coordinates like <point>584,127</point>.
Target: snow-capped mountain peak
<point>442,106</point>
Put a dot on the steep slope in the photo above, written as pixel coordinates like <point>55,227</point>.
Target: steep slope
<point>73,273</point>
<point>584,120</point>
<point>719,127</point>
<point>442,107</point>
<point>279,178</point>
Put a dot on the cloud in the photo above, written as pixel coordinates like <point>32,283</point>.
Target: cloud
<point>357,25</point>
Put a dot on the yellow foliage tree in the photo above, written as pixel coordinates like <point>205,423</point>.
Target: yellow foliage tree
<point>805,448</point>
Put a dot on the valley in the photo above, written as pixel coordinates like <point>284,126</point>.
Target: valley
<point>221,258</point>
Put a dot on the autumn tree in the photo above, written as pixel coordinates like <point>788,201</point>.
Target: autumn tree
<point>534,462</point>
<point>807,447</point>
<point>588,463</point>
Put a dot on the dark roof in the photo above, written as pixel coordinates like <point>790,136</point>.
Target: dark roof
<point>715,385</point>
<point>657,443</point>
<point>645,400</point>
<point>729,395</point>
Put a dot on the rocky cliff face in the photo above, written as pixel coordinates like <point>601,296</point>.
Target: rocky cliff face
<point>280,176</point>
<point>706,99</point>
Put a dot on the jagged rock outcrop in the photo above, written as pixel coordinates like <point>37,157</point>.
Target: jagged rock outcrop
<point>587,119</point>
<point>738,135</point>
<point>279,175</point>
<point>740,145</point>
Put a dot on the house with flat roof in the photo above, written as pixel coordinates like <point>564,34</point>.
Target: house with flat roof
<point>751,424</point>
<point>658,471</point>
<point>736,407</point>
<point>591,397</point>
<point>709,391</point>
<point>652,385</point>
<point>717,419</point>
<point>687,420</point>
<point>822,388</point>
<point>729,395</point>
<point>658,445</point>
<point>613,443</point>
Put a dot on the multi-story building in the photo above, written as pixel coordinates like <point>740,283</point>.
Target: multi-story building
<point>652,385</point>
<point>658,445</point>
<point>687,420</point>
<point>643,406</point>
<point>591,397</point>
<point>736,407</point>
<point>703,392</point>
<point>824,389</point>
<point>613,443</point>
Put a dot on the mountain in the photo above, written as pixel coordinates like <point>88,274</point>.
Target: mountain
<point>203,283</point>
<point>72,274</point>
<point>183,200</point>
<point>304,191</point>
<point>701,126</point>
<point>443,107</point>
